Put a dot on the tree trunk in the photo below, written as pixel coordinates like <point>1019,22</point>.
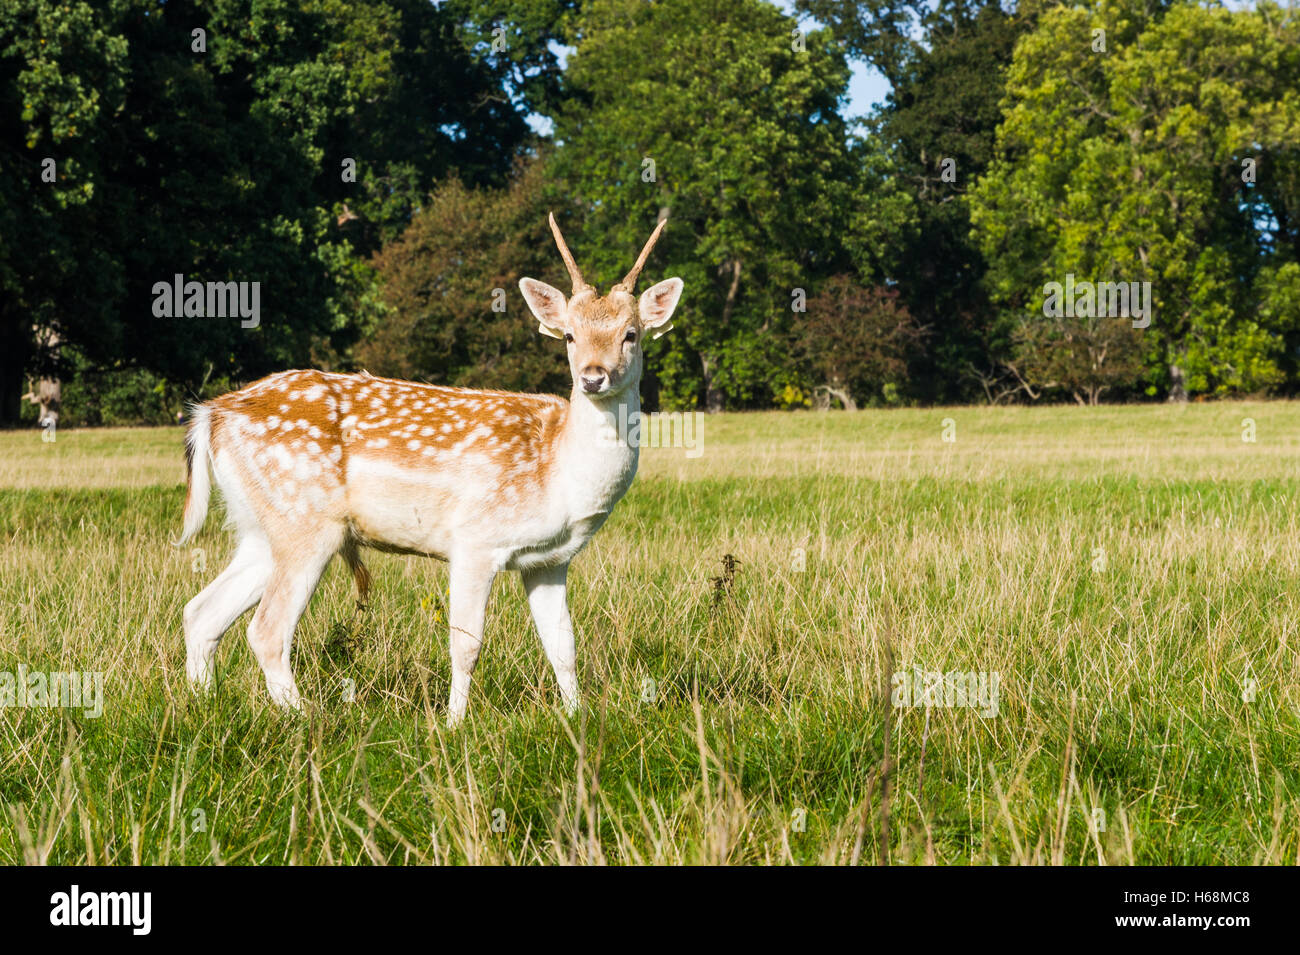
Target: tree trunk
<point>843,395</point>
<point>1178,384</point>
<point>714,399</point>
<point>730,303</point>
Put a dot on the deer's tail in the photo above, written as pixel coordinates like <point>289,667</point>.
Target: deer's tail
<point>198,462</point>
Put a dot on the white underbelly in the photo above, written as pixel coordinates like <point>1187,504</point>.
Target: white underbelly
<point>553,549</point>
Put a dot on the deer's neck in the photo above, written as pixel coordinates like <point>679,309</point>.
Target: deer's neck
<point>597,451</point>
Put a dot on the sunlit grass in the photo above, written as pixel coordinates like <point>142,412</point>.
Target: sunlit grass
<point>1128,572</point>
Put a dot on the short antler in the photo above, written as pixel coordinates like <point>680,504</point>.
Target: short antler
<point>579,284</point>
<point>629,282</point>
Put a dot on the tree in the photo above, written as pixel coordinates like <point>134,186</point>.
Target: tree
<point>445,278</point>
<point>518,40</point>
<point>62,79</point>
<point>1133,164</point>
<point>428,102</point>
<point>928,144</point>
<point>725,118</point>
<point>220,156</point>
<point>856,341</point>
<point>1085,357</point>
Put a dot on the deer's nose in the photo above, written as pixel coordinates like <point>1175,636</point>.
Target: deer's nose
<point>593,379</point>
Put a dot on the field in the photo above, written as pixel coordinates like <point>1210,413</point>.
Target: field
<point>1128,575</point>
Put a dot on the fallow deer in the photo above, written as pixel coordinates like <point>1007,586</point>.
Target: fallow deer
<point>313,464</point>
<point>48,397</point>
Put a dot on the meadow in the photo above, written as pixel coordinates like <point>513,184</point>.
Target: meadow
<point>1128,573</point>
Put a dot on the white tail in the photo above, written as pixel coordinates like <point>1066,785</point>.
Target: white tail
<point>311,464</point>
<point>198,461</point>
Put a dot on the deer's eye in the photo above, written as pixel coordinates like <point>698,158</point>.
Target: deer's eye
<point>631,337</point>
<point>568,338</point>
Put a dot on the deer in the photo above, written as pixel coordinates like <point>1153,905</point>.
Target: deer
<point>311,464</point>
<point>47,395</point>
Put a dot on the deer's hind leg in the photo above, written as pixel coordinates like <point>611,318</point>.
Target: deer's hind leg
<point>296,573</point>
<point>209,615</point>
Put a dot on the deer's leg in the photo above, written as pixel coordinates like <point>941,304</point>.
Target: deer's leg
<point>471,582</point>
<point>209,615</point>
<point>292,583</point>
<point>548,599</point>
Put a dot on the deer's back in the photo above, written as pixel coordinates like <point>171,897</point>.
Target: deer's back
<point>405,465</point>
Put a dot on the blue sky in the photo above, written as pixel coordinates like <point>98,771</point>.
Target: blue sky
<point>866,87</point>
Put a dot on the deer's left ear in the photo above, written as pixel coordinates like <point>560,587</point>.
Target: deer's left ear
<point>657,304</point>
<point>548,306</point>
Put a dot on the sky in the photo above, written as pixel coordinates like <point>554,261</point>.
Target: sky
<point>867,87</point>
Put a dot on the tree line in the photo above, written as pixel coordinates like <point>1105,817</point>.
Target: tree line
<point>383,171</point>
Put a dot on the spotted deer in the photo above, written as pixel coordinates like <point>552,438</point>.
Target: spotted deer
<point>312,464</point>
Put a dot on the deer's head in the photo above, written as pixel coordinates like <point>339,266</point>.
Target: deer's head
<point>603,332</point>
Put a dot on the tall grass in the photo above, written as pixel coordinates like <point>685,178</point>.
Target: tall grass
<point>1129,573</point>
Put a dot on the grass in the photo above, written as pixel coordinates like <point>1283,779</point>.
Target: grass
<point>1129,574</point>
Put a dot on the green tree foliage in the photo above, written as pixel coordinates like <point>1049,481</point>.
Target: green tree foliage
<point>707,112</point>
<point>444,280</point>
<point>1128,164</point>
<point>526,58</point>
<point>121,394</point>
<point>62,82</point>
<point>929,143</point>
<point>222,160</point>
<point>1083,357</point>
<point>426,101</point>
<point>1012,151</point>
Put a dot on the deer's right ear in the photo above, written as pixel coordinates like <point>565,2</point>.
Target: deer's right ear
<point>548,306</point>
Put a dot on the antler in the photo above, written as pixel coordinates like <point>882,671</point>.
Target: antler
<point>579,284</point>
<point>629,282</point>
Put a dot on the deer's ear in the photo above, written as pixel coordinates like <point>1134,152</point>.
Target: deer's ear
<point>657,305</point>
<point>548,306</point>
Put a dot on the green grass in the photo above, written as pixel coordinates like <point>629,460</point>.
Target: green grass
<point>1129,573</point>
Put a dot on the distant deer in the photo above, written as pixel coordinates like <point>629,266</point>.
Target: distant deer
<point>47,395</point>
<point>312,464</point>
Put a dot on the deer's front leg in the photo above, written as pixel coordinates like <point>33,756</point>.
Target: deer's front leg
<point>471,582</point>
<point>548,599</point>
